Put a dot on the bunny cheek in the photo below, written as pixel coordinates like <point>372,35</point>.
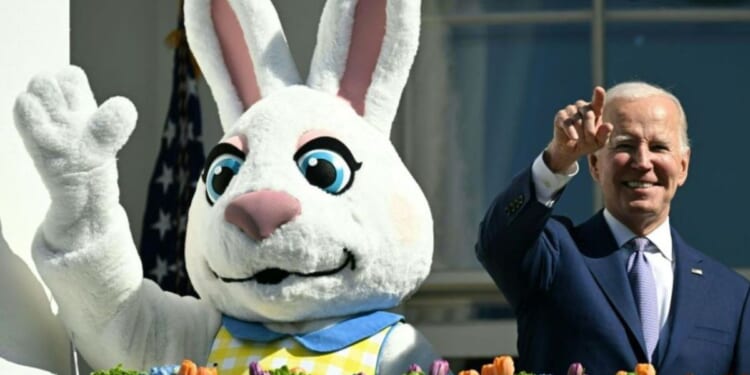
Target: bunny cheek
<point>405,219</point>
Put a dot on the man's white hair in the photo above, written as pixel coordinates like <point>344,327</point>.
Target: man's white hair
<point>639,90</point>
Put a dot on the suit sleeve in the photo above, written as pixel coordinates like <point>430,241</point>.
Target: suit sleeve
<point>742,348</point>
<point>517,242</point>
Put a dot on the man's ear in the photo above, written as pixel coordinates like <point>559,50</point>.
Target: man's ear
<point>593,168</point>
<point>684,164</point>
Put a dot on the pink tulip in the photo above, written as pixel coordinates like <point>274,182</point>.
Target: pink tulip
<point>575,369</point>
<point>440,367</point>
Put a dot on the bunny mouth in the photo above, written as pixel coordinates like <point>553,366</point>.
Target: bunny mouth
<point>272,276</point>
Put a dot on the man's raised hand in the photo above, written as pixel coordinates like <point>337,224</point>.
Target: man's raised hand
<point>578,131</point>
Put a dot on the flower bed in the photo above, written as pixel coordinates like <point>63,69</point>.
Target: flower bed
<point>502,365</point>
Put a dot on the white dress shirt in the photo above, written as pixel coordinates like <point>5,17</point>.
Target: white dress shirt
<point>547,184</point>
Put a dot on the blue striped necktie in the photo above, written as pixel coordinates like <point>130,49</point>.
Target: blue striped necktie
<point>644,290</point>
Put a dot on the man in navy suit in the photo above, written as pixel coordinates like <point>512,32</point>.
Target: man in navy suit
<point>573,288</point>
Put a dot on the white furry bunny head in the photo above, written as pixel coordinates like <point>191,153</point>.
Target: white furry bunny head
<point>305,210</point>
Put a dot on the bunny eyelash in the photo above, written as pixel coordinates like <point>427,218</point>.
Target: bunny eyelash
<point>218,150</point>
<point>330,143</point>
<point>332,176</point>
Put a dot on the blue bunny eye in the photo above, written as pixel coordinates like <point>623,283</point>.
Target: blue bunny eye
<point>328,164</point>
<point>224,162</point>
<point>326,170</point>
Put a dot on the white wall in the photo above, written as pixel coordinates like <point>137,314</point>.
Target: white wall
<point>34,38</point>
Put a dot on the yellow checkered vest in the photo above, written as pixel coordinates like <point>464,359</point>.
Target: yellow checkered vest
<point>233,357</point>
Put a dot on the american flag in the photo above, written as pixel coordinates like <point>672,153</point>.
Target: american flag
<point>173,181</point>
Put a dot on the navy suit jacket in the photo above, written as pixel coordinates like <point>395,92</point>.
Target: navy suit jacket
<point>569,289</point>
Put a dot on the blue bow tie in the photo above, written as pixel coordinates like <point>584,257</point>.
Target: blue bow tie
<point>325,340</point>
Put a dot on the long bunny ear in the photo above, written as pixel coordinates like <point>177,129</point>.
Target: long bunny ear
<point>242,51</point>
<point>364,52</point>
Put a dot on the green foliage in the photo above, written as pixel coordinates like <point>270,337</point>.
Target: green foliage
<point>118,370</point>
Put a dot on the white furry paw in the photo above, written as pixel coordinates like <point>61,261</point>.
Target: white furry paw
<point>63,129</point>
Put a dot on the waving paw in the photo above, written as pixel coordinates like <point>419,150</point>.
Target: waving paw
<point>64,130</point>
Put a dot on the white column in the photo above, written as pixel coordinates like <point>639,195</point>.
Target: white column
<point>34,38</point>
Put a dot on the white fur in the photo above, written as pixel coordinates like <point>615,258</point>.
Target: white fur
<point>85,253</point>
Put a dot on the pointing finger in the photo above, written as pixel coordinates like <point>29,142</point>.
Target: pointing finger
<point>597,100</point>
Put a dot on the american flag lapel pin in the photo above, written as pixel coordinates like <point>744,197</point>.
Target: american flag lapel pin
<point>697,271</point>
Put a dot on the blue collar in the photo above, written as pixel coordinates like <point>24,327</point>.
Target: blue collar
<point>329,339</point>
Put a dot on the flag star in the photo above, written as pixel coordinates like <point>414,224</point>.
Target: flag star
<point>163,225</point>
<point>185,136</point>
<point>182,224</point>
<point>191,130</point>
<point>176,266</point>
<point>183,177</point>
<point>166,178</point>
<point>160,271</point>
<point>197,138</point>
<point>169,133</point>
<point>192,86</point>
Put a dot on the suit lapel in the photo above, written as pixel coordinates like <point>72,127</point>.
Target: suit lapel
<point>607,263</point>
<point>687,296</point>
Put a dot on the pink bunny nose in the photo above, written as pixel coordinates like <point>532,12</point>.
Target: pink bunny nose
<point>259,213</point>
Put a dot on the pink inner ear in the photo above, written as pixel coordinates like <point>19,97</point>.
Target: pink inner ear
<point>236,55</point>
<point>238,141</point>
<point>368,32</point>
<point>314,133</point>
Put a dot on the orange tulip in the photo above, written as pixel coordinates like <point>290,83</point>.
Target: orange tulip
<point>188,367</point>
<point>468,372</point>
<point>504,365</point>
<point>622,372</point>
<point>490,369</point>
<point>644,369</point>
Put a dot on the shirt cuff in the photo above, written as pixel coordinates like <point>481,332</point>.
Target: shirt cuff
<point>547,183</point>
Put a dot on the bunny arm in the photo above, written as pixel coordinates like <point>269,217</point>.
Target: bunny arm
<point>84,249</point>
<point>405,346</point>
<point>114,315</point>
